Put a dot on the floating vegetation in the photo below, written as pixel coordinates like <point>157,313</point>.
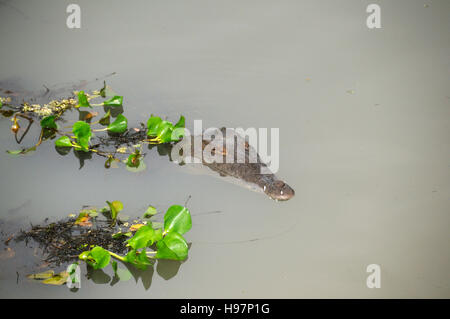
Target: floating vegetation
<point>79,138</point>
<point>98,237</point>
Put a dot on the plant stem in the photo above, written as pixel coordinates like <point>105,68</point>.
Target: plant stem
<point>116,256</point>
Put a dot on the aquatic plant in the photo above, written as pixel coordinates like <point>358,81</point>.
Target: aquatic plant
<point>157,131</point>
<point>86,237</point>
<point>149,242</point>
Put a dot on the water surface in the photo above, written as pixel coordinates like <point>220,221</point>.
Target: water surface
<point>364,125</point>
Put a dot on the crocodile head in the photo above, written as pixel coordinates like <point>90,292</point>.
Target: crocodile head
<point>279,190</point>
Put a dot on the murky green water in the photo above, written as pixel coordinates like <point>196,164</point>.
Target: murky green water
<point>364,123</point>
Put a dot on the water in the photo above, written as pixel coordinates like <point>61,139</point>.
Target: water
<point>364,126</point>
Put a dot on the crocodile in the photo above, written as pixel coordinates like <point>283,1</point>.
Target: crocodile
<point>253,171</point>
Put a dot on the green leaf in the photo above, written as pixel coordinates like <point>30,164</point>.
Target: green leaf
<point>83,100</point>
<point>133,160</point>
<point>48,122</point>
<point>150,212</point>
<point>122,234</point>
<point>114,101</point>
<point>144,237</point>
<point>177,219</point>
<point>180,122</point>
<point>114,207</point>
<point>97,258</point>
<point>106,118</point>
<point>138,259</point>
<point>172,246</point>
<point>152,125</point>
<point>63,141</point>
<point>14,152</point>
<point>119,125</point>
<point>82,132</point>
<point>21,152</point>
<point>177,133</point>
<point>165,132</point>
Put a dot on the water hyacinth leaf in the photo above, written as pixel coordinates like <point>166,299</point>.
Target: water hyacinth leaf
<point>150,212</point>
<point>58,280</point>
<point>42,275</point>
<point>82,132</point>
<point>119,125</point>
<point>177,134</point>
<point>152,125</point>
<point>177,219</point>
<point>21,152</point>
<point>83,100</point>
<point>97,258</point>
<point>145,236</point>
<point>165,132</point>
<point>180,122</point>
<point>63,141</point>
<point>114,101</point>
<point>172,246</point>
<point>138,259</point>
<point>48,122</point>
<point>115,207</point>
<point>133,160</point>
<point>105,120</point>
<point>14,152</point>
<point>122,234</point>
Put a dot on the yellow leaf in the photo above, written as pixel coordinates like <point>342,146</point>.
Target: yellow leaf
<point>135,227</point>
<point>42,275</point>
<point>59,279</point>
